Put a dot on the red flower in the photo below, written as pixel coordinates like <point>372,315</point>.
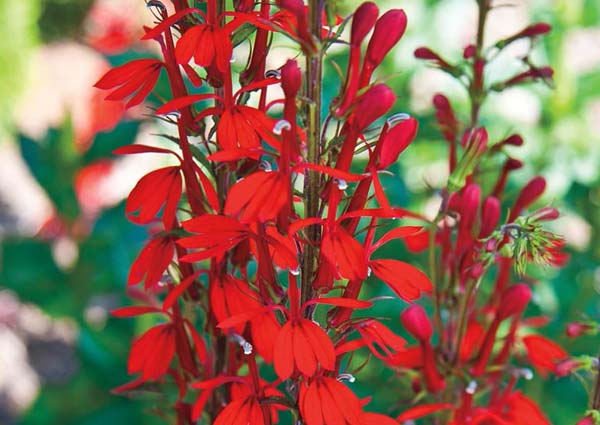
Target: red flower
<point>415,321</point>
<point>207,45</point>
<point>259,196</point>
<point>155,189</point>
<point>230,296</point>
<point>151,354</point>
<point>345,253</point>
<point>524,411</point>
<point>139,76</point>
<point>244,127</point>
<point>215,234</point>
<point>241,412</point>
<point>152,262</point>
<point>406,281</point>
<point>303,345</point>
<point>543,354</point>
<point>382,342</point>
<point>326,401</point>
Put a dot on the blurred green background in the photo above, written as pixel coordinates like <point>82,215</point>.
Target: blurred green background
<point>65,246</point>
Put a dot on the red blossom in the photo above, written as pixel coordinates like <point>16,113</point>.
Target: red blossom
<point>135,80</point>
<point>327,401</point>
<point>303,346</point>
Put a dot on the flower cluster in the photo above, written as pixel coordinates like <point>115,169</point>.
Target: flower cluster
<point>268,225</point>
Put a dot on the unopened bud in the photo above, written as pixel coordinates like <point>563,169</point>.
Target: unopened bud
<point>363,21</point>
<point>388,31</point>
<point>514,300</point>
<point>415,321</point>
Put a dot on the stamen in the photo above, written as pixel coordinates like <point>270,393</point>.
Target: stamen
<point>156,3</point>
<point>246,346</point>
<point>280,126</point>
<point>265,165</point>
<point>346,377</point>
<point>396,118</point>
<point>272,73</point>
<point>341,183</point>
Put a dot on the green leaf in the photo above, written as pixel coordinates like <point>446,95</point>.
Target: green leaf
<point>53,161</point>
<point>106,142</point>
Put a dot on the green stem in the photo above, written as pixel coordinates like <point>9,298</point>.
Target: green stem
<point>476,94</point>
<point>313,87</point>
<point>437,303</point>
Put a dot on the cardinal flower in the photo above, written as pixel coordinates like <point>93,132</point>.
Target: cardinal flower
<point>214,234</point>
<point>208,42</point>
<point>405,280</point>
<point>157,188</point>
<point>303,345</point>
<point>543,354</point>
<point>415,321</point>
<point>152,353</point>
<point>135,80</point>
<point>239,126</point>
<point>260,196</point>
<point>382,342</point>
<point>327,401</point>
<point>152,261</point>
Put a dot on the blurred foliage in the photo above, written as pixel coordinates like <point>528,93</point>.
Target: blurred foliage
<point>18,36</point>
<point>561,145</point>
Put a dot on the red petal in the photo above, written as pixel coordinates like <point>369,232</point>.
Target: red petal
<point>423,410</point>
<point>283,358</point>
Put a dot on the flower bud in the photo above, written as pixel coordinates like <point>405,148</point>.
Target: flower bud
<point>445,117</point>
<point>476,147</point>
<point>566,367</point>
<point>363,21</point>
<point>396,140</point>
<point>469,51</point>
<point>513,140</point>
<point>529,194</point>
<point>490,215</point>
<point>388,31</point>
<point>372,105</point>
<point>533,30</point>
<point>426,53</point>
<point>576,329</point>
<point>588,420</point>
<point>514,300</point>
<point>546,214</point>
<point>415,321</point>
<point>291,78</point>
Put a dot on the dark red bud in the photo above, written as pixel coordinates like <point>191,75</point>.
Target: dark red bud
<point>513,164</point>
<point>514,300</point>
<point>388,31</point>
<point>576,329</point>
<point>427,54</point>
<point>534,30</point>
<point>363,21</point>
<point>291,78</point>
<point>469,205</point>
<point>294,6</point>
<point>396,140</point>
<point>513,140</point>
<point>469,51</point>
<point>546,214</point>
<point>566,367</point>
<point>490,215</point>
<point>529,194</point>
<point>372,105</point>
<point>244,5</point>
<point>415,321</point>
<point>588,420</point>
